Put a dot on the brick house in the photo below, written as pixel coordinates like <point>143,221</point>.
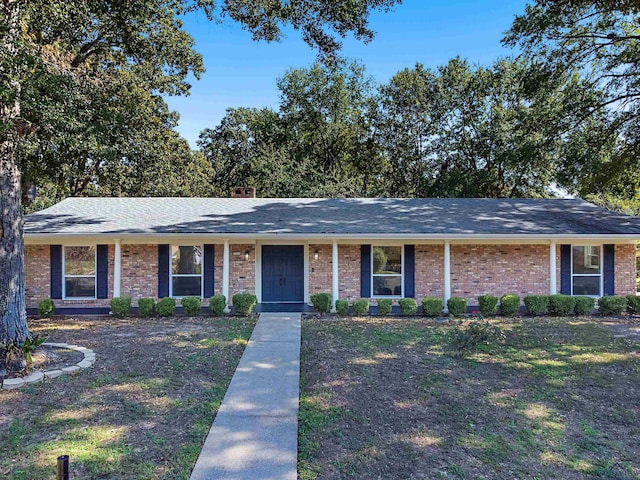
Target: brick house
<point>84,251</point>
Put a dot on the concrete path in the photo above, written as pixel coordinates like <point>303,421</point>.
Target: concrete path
<point>255,434</point>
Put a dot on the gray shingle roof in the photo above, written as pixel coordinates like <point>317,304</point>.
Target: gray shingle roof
<point>318,216</point>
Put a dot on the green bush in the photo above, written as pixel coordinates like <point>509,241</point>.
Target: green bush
<point>146,307</point>
<point>166,307</point>
<point>244,303</point>
<point>321,302</point>
<point>612,305</point>
<point>457,306</point>
<point>384,306</point>
<point>46,308</point>
<point>342,307</point>
<point>361,307</point>
<point>509,304</point>
<point>463,341</point>
<point>217,304</point>
<point>584,305</point>
<point>633,304</point>
<point>191,305</point>
<point>120,306</point>
<point>561,305</point>
<point>488,305</point>
<point>432,306</point>
<point>537,304</point>
<point>408,306</point>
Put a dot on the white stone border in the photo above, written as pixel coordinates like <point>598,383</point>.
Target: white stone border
<point>38,376</point>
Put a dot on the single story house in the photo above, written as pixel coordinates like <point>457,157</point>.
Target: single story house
<point>84,251</point>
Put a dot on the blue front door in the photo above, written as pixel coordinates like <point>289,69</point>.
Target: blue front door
<point>282,273</point>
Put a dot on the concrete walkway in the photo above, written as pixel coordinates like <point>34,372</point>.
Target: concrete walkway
<point>255,433</point>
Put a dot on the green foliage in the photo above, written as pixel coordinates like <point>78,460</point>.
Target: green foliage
<point>166,307</point>
<point>537,304</point>
<point>633,304</point>
<point>561,305</point>
<point>120,306</point>
<point>217,304</point>
<point>467,338</point>
<point>342,307</point>
<point>457,306</point>
<point>361,307</point>
<point>321,302</point>
<point>432,306</point>
<point>384,306</point>
<point>509,304</point>
<point>46,308</point>
<point>244,303</point>
<point>584,305</point>
<point>612,305</point>
<point>29,346</point>
<point>146,307</point>
<point>488,305</point>
<point>191,305</point>
<point>408,306</point>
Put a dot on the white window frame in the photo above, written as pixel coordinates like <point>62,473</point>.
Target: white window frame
<point>388,275</point>
<point>65,276</point>
<point>171,274</point>
<point>601,274</point>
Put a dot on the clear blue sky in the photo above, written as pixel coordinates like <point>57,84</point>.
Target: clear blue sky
<point>243,73</point>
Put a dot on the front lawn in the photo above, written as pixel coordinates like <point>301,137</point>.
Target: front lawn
<point>141,412</point>
<point>379,399</point>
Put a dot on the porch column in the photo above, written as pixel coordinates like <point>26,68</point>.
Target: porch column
<point>447,275</point>
<point>225,274</point>
<point>553,287</point>
<point>117,268</point>
<point>335,285</point>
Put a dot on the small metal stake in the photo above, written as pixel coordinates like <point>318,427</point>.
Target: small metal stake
<point>63,467</point>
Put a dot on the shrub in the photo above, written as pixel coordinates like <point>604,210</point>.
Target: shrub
<point>432,306</point>
<point>457,306</point>
<point>561,305</point>
<point>408,306</point>
<point>633,304</point>
<point>244,303</point>
<point>384,306</point>
<point>342,307</point>
<point>488,305</point>
<point>537,304</point>
<point>166,307</point>
<point>217,304</point>
<point>321,302</point>
<point>509,304</point>
<point>120,306</point>
<point>584,305</point>
<point>191,305</point>
<point>46,308</point>
<point>612,305</point>
<point>463,341</point>
<point>146,307</point>
<point>361,307</point>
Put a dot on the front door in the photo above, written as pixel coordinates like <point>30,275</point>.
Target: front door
<point>282,273</point>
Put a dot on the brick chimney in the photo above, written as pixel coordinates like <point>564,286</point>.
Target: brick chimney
<point>243,192</point>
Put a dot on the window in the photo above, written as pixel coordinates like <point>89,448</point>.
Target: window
<point>586,270</point>
<point>387,271</point>
<point>186,271</point>
<point>79,272</point>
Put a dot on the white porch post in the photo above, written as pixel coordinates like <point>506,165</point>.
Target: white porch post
<point>553,287</point>
<point>447,275</point>
<point>117,268</point>
<point>335,285</point>
<point>225,274</point>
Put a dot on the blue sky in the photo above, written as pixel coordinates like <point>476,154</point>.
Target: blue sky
<point>243,73</point>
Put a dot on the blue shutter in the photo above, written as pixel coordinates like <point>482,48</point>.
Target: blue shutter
<point>209,269</point>
<point>609,269</point>
<point>565,269</point>
<point>55,270</point>
<point>163,271</point>
<point>365,271</point>
<point>102,271</point>
<point>409,271</point>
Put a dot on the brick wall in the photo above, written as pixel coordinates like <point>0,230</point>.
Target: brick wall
<point>625,268</point>
<point>349,272</point>
<point>429,271</point>
<point>320,270</point>
<point>139,274</point>
<point>36,274</point>
<point>242,273</point>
